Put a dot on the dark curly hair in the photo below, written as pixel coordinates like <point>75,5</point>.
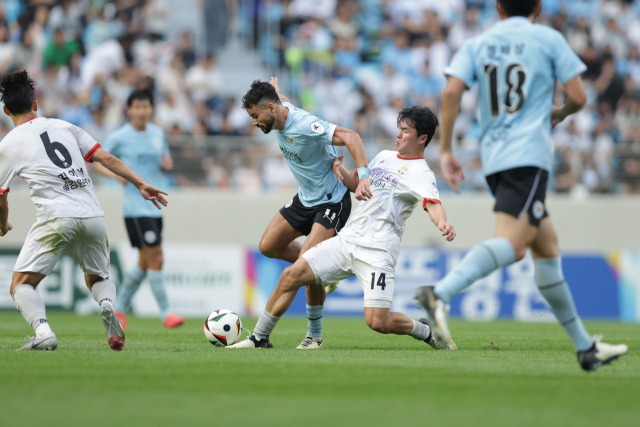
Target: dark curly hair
<point>260,91</point>
<point>17,92</point>
<point>519,7</point>
<point>421,119</point>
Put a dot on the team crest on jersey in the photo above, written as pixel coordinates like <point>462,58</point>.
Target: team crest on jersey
<point>157,143</point>
<point>292,141</point>
<point>317,128</point>
<point>403,171</point>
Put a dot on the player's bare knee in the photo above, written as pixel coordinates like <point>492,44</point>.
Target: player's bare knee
<point>267,249</point>
<point>379,325</point>
<point>520,251</point>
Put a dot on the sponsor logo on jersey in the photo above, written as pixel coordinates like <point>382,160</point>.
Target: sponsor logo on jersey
<point>403,171</point>
<point>317,127</point>
<point>292,156</point>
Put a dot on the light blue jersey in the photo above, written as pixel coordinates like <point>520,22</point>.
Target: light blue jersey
<point>516,64</point>
<point>142,152</point>
<point>305,142</point>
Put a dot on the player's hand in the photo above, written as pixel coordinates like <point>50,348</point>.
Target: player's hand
<point>447,231</point>
<point>452,170</point>
<point>3,231</point>
<point>149,192</point>
<point>274,83</point>
<point>336,168</point>
<point>363,192</point>
<point>166,163</point>
<point>557,116</point>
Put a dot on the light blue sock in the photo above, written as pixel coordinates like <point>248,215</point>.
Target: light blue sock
<point>156,280</point>
<point>555,290</point>
<point>481,260</point>
<point>130,285</point>
<point>314,314</point>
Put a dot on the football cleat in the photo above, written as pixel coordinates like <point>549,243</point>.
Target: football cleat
<point>123,319</point>
<point>600,354</point>
<point>47,342</point>
<point>437,312</point>
<point>330,287</point>
<point>115,334</point>
<point>310,343</point>
<point>252,342</point>
<point>433,341</point>
<point>173,321</point>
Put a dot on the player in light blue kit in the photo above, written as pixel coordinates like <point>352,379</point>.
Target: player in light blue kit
<point>322,205</point>
<point>142,145</point>
<point>516,64</point>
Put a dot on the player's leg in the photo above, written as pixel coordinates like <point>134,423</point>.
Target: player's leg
<point>41,250</point>
<point>90,249</point>
<point>292,279</point>
<point>134,277</point>
<point>520,195</point>
<point>278,240</point>
<point>554,289</point>
<point>315,292</point>
<point>31,306</point>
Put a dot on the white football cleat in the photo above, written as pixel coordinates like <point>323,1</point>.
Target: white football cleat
<point>252,342</point>
<point>115,333</point>
<point>433,341</point>
<point>310,343</point>
<point>437,312</point>
<point>600,354</point>
<point>330,287</point>
<point>47,342</point>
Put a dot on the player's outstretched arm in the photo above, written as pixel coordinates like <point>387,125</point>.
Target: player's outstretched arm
<point>439,217</point>
<point>350,179</point>
<point>274,83</point>
<point>119,168</point>
<point>4,215</point>
<point>343,137</point>
<point>450,106</point>
<point>576,98</point>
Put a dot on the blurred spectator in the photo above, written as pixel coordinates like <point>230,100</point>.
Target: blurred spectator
<point>204,82</point>
<point>67,18</point>
<point>60,50</point>
<point>7,49</point>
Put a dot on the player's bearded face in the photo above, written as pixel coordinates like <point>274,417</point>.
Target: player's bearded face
<point>266,122</point>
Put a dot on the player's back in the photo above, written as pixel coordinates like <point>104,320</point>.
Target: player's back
<point>50,155</point>
<point>516,64</point>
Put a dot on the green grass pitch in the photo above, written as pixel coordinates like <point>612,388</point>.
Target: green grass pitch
<point>175,378</point>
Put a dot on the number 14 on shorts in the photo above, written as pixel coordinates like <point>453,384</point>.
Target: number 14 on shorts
<point>381,281</point>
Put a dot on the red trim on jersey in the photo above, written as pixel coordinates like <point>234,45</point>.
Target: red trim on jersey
<point>92,152</point>
<point>427,201</point>
<point>3,191</point>
<point>32,118</point>
<point>409,158</point>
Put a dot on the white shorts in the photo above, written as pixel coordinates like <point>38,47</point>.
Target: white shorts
<point>336,259</point>
<point>83,239</point>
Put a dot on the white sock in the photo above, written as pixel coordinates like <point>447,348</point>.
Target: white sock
<point>420,331</point>
<point>104,290</point>
<point>30,305</point>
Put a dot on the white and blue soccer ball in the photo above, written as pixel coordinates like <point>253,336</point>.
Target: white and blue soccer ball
<point>223,327</point>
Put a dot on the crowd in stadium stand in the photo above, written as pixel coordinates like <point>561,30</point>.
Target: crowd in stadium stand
<point>354,63</point>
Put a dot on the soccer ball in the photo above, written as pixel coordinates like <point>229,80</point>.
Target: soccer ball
<point>223,327</point>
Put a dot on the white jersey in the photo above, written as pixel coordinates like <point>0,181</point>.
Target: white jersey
<point>397,184</point>
<point>50,155</point>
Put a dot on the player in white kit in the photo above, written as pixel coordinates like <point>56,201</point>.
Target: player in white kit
<point>369,244</point>
<point>50,155</point>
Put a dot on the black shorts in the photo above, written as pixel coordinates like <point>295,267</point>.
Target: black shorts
<point>329,215</point>
<point>144,231</point>
<point>520,190</point>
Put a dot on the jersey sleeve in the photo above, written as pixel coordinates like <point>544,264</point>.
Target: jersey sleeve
<point>462,65</point>
<point>321,130</point>
<point>426,189</point>
<point>88,145</point>
<point>566,62</point>
<point>7,172</point>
